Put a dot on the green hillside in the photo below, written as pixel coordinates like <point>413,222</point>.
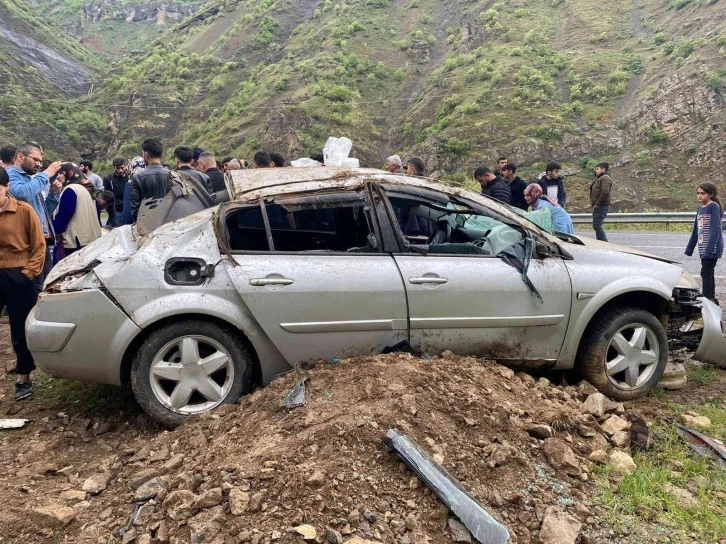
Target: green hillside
<point>637,82</point>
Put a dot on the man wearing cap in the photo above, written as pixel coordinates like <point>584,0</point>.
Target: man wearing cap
<point>394,164</point>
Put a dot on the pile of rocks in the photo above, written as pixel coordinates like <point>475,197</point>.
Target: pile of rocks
<point>253,472</point>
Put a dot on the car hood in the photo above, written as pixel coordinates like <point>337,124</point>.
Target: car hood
<point>597,244</point>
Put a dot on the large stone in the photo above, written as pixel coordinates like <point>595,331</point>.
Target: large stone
<point>599,456</point>
<point>459,532</point>
<point>614,424</point>
<point>150,489</point>
<point>358,540</point>
<point>54,516</point>
<point>143,514</point>
<point>682,497</point>
<point>621,462</point>
<point>674,377</point>
<point>210,498</point>
<point>73,496</point>
<point>693,419</point>
<point>540,431</point>
<point>558,528</point>
<point>561,456</point>
<point>96,483</point>
<point>143,476</point>
<point>178,504</point>
<point>239,501</point>
<point>641,435</point>
<point>307,532</point>
<point>620,439</point>
<point>598,405</point>
<point>172,464</point>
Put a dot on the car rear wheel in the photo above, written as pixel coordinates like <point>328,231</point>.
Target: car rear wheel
<point>188,368</point>
<point>624,353</point>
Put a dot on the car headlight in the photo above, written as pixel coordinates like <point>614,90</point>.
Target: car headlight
<point>75,282</point>
<point>688,281</point>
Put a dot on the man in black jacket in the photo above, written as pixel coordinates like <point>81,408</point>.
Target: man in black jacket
<point>116,183</point>
<point>553,184</point>
<point>493,186</point>
<point>183,157</point>
<point>153,181</point>
<point>208,166</point>
<point>517,186</point>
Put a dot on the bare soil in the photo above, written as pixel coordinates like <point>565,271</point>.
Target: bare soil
<point>323,464</point>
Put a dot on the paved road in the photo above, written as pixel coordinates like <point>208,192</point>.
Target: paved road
<point>669,245</point>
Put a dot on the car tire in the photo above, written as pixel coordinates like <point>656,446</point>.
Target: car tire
<point>173,380</point>
<point>624,353</point>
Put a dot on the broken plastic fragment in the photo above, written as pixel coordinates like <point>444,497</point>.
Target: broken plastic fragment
<point>704,445</point>
<point>12,423</point>
<point>297,396</point>
<point>480,523</point>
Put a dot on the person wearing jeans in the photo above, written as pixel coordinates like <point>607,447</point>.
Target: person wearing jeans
<point>708,236</point>
<point>600,190</point>
<point>22,255</point>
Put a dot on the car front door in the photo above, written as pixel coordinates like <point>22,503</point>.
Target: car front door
<point>465,295</point>
<point>312,273</point>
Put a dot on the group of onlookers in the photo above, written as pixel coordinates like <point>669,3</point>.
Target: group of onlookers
<point>57,207</point>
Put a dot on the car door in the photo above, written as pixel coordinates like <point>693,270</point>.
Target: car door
<point>312,273</point>
<point>465,295</point>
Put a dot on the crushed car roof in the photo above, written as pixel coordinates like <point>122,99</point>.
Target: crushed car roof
<point>246,185</point>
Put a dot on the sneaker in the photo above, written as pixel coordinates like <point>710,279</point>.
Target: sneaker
<point>23,390</point>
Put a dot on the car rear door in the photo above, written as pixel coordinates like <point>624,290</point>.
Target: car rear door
<point>313,275</point>
<point>476,303</point>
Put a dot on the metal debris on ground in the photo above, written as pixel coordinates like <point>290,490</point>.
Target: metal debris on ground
<point>297,396</point>
<point>12,424</point>
<point>480,523</point>
<point>704,445</point>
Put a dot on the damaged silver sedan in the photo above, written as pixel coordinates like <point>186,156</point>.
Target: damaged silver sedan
<point>195,308</point>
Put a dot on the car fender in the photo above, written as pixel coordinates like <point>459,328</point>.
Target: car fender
<point>583,310</point>
<point>228,308</point>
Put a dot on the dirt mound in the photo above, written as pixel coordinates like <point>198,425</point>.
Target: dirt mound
<point>254,472</point>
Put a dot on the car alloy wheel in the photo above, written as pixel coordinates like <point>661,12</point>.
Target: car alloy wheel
<point>191,374</point>
<point>632,356</point>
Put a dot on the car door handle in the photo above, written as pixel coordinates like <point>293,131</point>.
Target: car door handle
<point>425,280</point>
<point>263,282</point>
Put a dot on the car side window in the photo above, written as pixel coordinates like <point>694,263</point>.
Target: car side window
<point>444,228</point>
<point>325,223</point>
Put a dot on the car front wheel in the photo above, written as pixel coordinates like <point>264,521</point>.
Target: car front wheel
<point>188,368</point>
<point>624,353</point>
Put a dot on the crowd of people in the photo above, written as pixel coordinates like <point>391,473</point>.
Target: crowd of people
<point>49,210</point>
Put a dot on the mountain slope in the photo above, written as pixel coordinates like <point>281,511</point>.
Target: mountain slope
<point>639,83</point>
<point>41,70</point>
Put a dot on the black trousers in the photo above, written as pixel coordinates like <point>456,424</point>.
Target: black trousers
<point>708,266</point>
<point>47,267</point>
<point>19,294</point>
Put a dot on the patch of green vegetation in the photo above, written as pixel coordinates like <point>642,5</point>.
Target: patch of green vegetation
<point>702,375</point>
<point>76,398</point>
<point>645,495</point>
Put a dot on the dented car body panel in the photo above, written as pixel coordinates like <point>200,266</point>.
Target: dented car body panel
<point>321,301</point>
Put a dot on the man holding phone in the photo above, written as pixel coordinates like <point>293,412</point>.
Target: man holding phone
<point>27,185</point>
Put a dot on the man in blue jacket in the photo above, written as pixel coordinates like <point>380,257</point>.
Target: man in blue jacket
<point>28,185</point>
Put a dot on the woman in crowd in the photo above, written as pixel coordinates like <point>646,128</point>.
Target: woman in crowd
<point>708,236</point>
<point>76,218</point>
<point>561,221</point>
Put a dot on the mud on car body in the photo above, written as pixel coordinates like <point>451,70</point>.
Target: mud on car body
<point>211,295</point>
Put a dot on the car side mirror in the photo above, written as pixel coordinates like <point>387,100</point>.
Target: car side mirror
<point>542,250</point>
